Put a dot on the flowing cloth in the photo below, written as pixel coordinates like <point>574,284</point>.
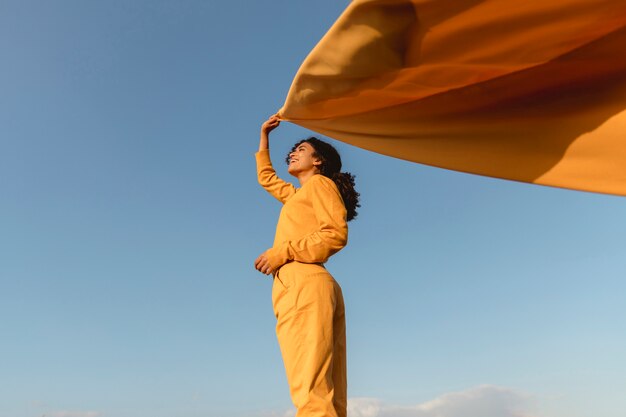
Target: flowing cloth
<point>531,90</point>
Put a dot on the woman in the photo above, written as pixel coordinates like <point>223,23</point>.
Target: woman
<point>307,301</point>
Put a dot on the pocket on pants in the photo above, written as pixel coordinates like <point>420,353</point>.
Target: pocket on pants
<point>282,279</point>
<point>281,295</point>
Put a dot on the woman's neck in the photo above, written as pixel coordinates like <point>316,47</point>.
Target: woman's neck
<point>303,177</point>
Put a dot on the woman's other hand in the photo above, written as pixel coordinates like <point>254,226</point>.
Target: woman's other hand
<point>262,264</point>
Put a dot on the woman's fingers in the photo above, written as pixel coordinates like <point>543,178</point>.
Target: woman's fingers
<point>262,265</point>
<point>270,124</point>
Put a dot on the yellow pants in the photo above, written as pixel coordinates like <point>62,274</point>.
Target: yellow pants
<point>311,331</point>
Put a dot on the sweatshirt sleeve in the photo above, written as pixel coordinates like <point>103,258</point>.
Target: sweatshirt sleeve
<point>267,177</point>
<point>332,230</point>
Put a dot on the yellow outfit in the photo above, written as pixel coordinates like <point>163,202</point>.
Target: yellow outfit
<point>307,301</point>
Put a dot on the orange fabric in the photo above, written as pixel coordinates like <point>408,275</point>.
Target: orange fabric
<point>532,91</point>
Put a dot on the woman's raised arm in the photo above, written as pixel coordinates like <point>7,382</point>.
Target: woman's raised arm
<point>266,175</point>
<point>269,125</point>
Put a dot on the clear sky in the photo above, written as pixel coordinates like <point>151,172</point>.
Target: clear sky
<point>130,218</point>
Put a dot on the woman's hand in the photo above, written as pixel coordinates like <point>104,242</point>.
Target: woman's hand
<point>262,264</point>
<point>270,124</point>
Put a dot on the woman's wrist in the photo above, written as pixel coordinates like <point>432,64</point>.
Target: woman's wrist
<point>264,143</point>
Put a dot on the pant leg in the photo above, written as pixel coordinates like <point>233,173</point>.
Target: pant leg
<point>340,373</point>
<point>311,333</point>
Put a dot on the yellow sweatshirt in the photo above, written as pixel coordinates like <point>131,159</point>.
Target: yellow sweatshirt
<point>312,224</point>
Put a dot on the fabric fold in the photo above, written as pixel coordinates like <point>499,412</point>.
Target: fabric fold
<point>530,91</point>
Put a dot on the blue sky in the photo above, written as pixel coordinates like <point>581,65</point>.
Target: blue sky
<point>130,218</point>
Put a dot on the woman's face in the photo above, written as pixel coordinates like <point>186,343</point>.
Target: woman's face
<point>302,160</point>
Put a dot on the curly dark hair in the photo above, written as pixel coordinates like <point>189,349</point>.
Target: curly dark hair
<point>331,168</point>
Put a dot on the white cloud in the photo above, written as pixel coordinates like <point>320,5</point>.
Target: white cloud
<point>481,401</point>
<point>289,413</point>
<point>363,407</point>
